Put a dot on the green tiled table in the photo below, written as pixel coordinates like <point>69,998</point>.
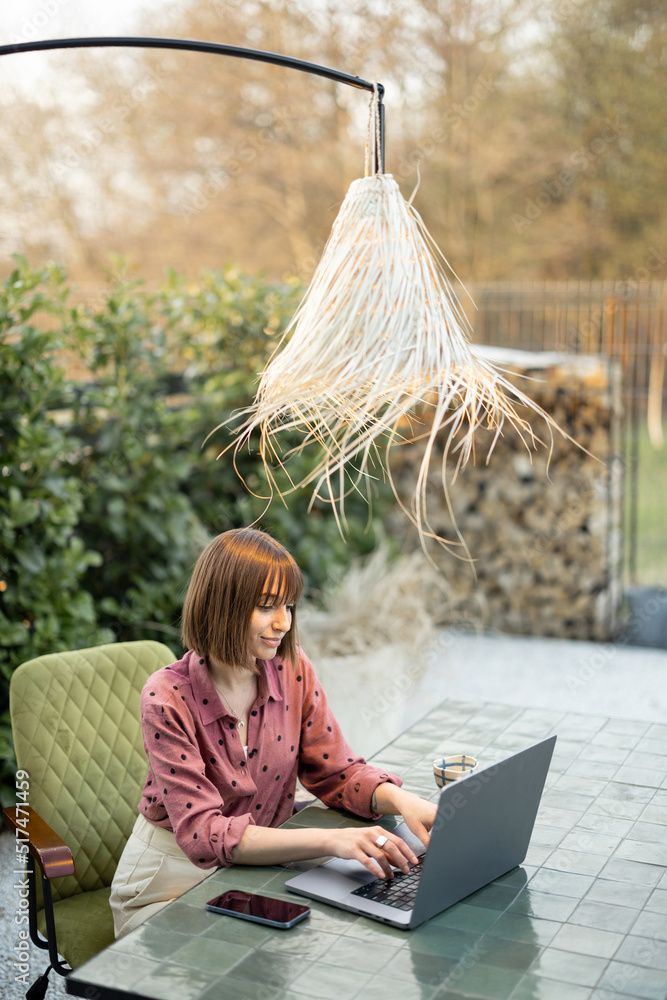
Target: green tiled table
<point>584,918</point>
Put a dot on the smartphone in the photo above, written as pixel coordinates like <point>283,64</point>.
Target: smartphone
<point>260,909</point>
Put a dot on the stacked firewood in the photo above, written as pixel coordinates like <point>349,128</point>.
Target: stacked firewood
<point>536,532</point>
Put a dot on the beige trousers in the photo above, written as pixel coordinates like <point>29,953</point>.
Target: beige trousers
<point>152,872</point>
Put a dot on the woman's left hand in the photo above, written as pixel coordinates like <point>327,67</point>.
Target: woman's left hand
<point>418,813</point>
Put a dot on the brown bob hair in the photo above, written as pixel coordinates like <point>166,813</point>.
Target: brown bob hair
<point>234,571</point>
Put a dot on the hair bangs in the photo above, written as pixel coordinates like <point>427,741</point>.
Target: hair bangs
<point>283,584</point>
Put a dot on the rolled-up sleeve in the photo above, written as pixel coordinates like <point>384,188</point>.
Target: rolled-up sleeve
<point>327,765</point>
<point>178,793</point>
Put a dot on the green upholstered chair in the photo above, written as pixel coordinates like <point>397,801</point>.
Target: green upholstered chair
<point>77,734</point>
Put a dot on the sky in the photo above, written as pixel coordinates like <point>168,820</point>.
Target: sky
<point>30,20</point>
<point>25,20</point>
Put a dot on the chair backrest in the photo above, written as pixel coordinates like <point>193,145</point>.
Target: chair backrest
<point>77,732</point>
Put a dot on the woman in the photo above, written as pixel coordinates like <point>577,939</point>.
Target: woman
<point>230,727</point>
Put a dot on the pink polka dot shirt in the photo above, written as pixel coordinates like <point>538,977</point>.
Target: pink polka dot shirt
<point>202,785</point>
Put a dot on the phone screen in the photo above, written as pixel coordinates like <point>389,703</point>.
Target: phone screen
<point>261,909</point>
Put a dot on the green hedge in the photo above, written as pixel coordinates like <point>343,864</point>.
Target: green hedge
<point>110,486</point>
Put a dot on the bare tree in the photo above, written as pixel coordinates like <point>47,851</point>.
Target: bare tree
<point>537,134</point>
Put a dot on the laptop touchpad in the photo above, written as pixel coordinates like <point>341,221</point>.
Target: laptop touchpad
<point>351,869</point>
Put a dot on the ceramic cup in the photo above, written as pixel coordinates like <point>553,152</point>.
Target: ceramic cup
<point>452,766</point>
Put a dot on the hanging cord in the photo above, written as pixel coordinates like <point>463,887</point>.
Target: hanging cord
<point>371,158</point>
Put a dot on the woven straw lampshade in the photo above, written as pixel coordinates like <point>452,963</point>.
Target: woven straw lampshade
<point>379,335</point>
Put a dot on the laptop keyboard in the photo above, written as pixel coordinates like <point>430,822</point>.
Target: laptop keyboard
<point>399,891</point>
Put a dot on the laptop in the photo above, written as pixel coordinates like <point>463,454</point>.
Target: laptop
<point>481,830</point>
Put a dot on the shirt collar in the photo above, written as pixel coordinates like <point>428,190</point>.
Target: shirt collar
<point>207,699</point>
<point>269,684</point>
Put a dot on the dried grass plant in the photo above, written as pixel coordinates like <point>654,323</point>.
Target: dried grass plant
<point>379,602</point>
<point>378,354</point>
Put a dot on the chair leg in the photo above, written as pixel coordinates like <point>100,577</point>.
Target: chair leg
<point>38,989</point>
<point>38,941</point>
<point>50,944</point>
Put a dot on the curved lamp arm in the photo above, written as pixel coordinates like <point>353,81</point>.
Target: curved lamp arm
<point>216,49</point>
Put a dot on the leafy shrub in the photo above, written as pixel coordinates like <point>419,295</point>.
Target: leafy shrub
<point>133,467</point>
<point>44,606</point>
<point>104,510</point>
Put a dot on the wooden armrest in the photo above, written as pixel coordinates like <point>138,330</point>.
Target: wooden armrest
<point>50,852</point>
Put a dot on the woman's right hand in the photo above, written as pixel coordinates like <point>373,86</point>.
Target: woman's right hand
<point>360,844</point>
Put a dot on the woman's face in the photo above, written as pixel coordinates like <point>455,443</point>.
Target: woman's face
<point>269,622</point>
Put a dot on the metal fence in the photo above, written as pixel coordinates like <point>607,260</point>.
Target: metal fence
<point>622,320</point>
